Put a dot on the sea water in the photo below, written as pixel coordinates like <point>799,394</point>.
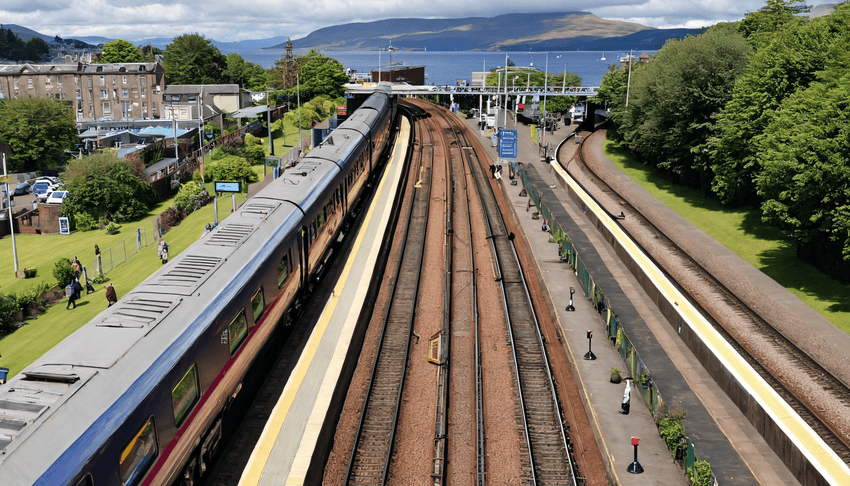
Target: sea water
<point>446,68</point>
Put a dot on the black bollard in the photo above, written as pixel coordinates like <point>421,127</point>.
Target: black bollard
<point>635,467</point>
<point>570,307</point>
<point>589,355</point>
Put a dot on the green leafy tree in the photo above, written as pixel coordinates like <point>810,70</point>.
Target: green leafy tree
<point>102,185</point>
<point>320,74</point>
<point>674,98</point>
<point>786,62</point>
<point>612,90</point>
<point>37,50</point>
<point>233,169</point>
<point>120,50</point>
<point>246,74</point>
<point>804,155</point>
<point>38,130</point>
<point>192,59</point>
<point>761,26</point>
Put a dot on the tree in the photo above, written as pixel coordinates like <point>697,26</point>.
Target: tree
<point>674,98</point>
<point>37,49</point>
<point>320,74</point>
<point>120,50</point>
<point>246,74</point>
<point>786,61</point>
<point>38,130</point>
<point>770,19</point>
<point>192,59</point>
<point>102,185</point>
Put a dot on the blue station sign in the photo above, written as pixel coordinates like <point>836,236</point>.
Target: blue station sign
<point>223,186</point>
<point>507,144</point>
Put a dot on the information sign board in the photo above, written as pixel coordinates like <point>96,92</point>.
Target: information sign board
<point>64,226</point>
<point>341,110</point>
<point>507,144</point>
<point>225,186</point>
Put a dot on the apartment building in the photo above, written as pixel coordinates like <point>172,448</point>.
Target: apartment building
<point>120,91</point>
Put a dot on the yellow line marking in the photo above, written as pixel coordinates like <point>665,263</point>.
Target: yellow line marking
<point>822,457</point>
<point>259,457</point>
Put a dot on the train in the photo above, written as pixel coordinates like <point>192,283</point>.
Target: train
<point>139,395</point>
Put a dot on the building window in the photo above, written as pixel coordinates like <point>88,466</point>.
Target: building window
<point>114,94</point>
<point>79,94</point>
<point>125,93</point>
<point>124,79</point>
<point>107,108</point>
<point>141,80</point>
<point>77,80</point>
<point>102,80</point>
<point>145,110</point>
<point>135,92</point>
<point>16,82</point>
<point>29,82</point>
<point>59,80</point>
<point>104,94</point>
<point>47,80</point>
<point>89,76</point>
<point>61,96</point>
<point>114,77</point>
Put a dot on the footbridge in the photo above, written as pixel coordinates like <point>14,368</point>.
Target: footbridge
<point>403,88</point>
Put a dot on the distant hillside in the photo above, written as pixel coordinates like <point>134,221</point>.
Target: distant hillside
<point>26,34</point>
<point>514,32</point>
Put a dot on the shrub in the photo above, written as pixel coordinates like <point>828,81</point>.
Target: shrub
<point>173,217</point>
<point>217,154</point>
<point>62,271</point>
<point>701,474</point>
<point>254,153</point>
<point>112,228</point>
<point>671,430</point>
<point>8,307</point>
<point>30,272</point>
<point>252,140</point>
<point>100,278</point>
<point>85,221</point>
<point>188,196</point>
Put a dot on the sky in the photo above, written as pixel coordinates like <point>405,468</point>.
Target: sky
<point>229,21</point>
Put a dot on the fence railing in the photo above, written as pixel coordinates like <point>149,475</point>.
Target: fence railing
<point>613,327</point>
<point>110,258</point>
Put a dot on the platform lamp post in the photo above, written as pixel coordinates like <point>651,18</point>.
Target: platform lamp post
<point>571,308</point>
<point>589,355</point>
<point>635,467</point>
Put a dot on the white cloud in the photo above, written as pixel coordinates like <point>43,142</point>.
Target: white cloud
<point>260,19</point>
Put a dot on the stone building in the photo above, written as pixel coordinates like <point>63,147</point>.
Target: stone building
<point>119,91</point>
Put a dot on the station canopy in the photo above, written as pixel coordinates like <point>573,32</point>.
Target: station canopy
<point>250,112</point>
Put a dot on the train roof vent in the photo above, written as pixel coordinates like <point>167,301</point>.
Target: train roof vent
<point>232,234</point>
<point>139,311</point>
<point>184,274</point>
<point>259,209</point>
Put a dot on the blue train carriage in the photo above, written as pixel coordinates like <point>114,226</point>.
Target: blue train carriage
<point>139,394</point>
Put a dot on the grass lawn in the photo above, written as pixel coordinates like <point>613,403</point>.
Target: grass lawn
<point>25,345</point>
<point>741,230</point>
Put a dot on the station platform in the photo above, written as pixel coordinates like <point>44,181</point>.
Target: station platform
<point>295,429</point>
<point>721,434</point>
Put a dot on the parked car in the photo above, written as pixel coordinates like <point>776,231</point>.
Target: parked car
<point>43,186</point>
<point>22,188</point>
<point>56,197</point>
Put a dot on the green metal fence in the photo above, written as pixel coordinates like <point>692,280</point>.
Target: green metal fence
<point>615,332</point>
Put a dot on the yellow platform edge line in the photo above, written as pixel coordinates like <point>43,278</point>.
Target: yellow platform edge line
<point>304,454</point>
<point>256,463</point>
<point>833,469</point>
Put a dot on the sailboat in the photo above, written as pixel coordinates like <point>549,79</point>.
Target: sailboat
<point>603,57</point>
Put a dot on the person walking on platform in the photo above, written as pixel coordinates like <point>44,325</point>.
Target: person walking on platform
<point>624,408</point>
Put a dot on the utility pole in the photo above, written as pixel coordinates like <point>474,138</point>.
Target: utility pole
<point>628,81</point>
<point>10,216</point>
<point>298,92</point>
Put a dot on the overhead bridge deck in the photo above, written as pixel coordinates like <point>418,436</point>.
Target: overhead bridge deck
<point>402,89</point>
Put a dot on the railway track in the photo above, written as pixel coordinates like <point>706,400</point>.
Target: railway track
<point>816,395</point>
<point>549,455</point>
<point>370,457</point>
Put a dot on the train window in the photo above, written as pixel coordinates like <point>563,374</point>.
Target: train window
<point>86,481</point>
<point>139,455</point>
<point>282,270</point>
<point>258,304</point>
<point>238,329</point>
<point>185,395</point>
